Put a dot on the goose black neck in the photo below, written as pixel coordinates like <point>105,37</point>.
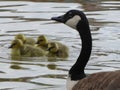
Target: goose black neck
<point>77,70</point>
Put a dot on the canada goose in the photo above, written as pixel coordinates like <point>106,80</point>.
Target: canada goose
<point>20,49</point>
<point>26,40</point>
<point>57,50</point>
<point>77,79</point>
<point>62,50</point>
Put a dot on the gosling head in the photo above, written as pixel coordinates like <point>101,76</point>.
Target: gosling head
<point>42,40</point>
<point>17,43</point>
<point>21,37</point>
<point>71,18</point>
<point>53,47</point>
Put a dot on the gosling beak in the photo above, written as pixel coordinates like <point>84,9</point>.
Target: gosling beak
<point>10,46</point>
<point>48,49</point>
<point>37,42</point>
<point>59,18</point>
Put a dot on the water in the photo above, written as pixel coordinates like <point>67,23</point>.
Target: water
<point>33,19</point>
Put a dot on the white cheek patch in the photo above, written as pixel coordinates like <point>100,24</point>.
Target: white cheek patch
<point>70,84</point>
<point>73,21</point>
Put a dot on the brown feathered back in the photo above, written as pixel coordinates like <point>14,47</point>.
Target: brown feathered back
<point>100,81</point>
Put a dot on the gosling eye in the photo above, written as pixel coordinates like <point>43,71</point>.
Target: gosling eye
<point>13,44</point>
<point>41,40</point>
<point>50,48</point>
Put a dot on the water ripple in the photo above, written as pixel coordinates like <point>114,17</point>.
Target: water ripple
<point>50,74</point>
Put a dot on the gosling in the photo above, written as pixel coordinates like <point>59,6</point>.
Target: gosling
<point>42,42</point>
<point>25,40</point>
<point>57,50</point>
<point>25,50</point>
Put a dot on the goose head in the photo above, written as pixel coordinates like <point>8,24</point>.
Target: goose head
<point>72,18</point>
<point>42,40</point>
<point>21,37</point>
<point>17,43</point>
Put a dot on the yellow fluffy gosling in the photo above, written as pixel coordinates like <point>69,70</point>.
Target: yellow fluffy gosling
<point>26,40</point>
<point>42,42</point>
<point>57,50</point>
<point>20,49</point>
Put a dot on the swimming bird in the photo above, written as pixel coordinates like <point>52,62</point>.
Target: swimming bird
<point>42,42</point>
<point>55,49</point>
<point>26,40</point>
<point>77,79</point>
<point>25,50</point>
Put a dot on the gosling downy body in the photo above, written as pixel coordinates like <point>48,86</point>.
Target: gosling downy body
<point>25,50</point>
<point>58,49</point>
<point>77,79</point>
<point>26,40</point>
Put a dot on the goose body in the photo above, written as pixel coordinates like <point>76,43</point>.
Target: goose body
<point>77,79</point>
<point>20,49</point>
<point>100,81</point>
<point>25,40</point>
<point>55,49</point>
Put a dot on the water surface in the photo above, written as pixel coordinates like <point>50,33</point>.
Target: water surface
<point>33,19</point>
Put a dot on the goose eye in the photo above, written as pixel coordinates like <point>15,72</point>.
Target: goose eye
<point>70,14</point>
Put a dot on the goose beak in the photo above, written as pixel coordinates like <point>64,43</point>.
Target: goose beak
<point>59,18</point>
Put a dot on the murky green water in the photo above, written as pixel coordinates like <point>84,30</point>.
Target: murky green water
<point>32,19</point>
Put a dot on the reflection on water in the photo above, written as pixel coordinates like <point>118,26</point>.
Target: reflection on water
<point>33,19</point>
